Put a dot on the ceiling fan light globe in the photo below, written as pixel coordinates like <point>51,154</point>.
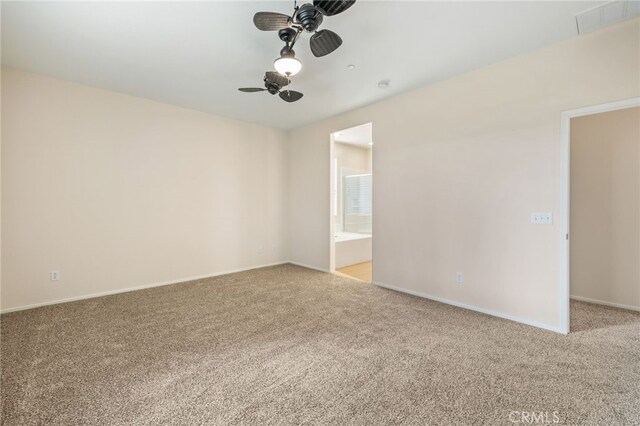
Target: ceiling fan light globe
<point>287,66</point>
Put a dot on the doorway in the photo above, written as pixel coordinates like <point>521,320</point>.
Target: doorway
<point>601,212</point>
<point>351,190</point>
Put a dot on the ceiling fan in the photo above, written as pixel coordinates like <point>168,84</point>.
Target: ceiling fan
<point>273,83</point>
<point>307,17</point>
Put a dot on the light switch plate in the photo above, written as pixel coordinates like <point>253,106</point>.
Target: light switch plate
<point>541,218</point>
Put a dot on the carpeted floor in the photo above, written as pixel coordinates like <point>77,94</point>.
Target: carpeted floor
<point>287,345</point>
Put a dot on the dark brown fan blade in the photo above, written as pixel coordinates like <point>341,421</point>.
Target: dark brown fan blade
<point>324,42</point>
<point>251,89</point>
<point>276,78</point>
<point>270,21</point>
<point>333,7</point>
<point>290,95</point>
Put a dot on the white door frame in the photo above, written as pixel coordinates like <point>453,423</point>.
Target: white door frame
<point>332,183</point>
<point>565,167</point>
<point>332,219</point>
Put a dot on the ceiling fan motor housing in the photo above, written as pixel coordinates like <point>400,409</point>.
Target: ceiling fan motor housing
<point>287,52</point>
<point>309,17</point>
<point>272,87</point>
<point>287,34</point>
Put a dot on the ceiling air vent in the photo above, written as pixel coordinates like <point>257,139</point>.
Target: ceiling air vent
<point>606,14</point>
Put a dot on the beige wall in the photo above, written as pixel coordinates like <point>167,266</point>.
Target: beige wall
<point>469,159</point>
<point>352,157</point>
<point>1,71</point>
<point>116,191</point>
<point>605,207</point>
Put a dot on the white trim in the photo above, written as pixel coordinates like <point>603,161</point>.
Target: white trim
<point>602,302</point>
<point>332,220</point>
<point>565,157</point>
<point>473,308</point>
<point>315,268</point>
<point>140,287</point>
<point>596,109</point>
<point>565,168</point>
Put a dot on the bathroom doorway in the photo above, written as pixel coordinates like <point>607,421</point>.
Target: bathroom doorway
<point>351,215</point>
<point>600,215</point>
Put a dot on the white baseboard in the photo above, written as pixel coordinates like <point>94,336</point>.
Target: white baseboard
<point>532,323</point>
<point>602,302</point>
<point>141,287</point>
<point>315,268</point>
<point>390,287</point>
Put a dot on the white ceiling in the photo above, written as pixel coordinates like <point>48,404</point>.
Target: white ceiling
<point>196,54</point>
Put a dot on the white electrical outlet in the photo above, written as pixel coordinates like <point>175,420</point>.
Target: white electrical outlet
<point>260,250</point>
<point>459,278</point>
<point>541,218</point>
<point>55,275</point>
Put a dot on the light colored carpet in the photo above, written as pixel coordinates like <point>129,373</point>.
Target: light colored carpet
<point>287,345</point>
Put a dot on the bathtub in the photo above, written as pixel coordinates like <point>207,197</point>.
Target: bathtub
<point>352,248</point>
